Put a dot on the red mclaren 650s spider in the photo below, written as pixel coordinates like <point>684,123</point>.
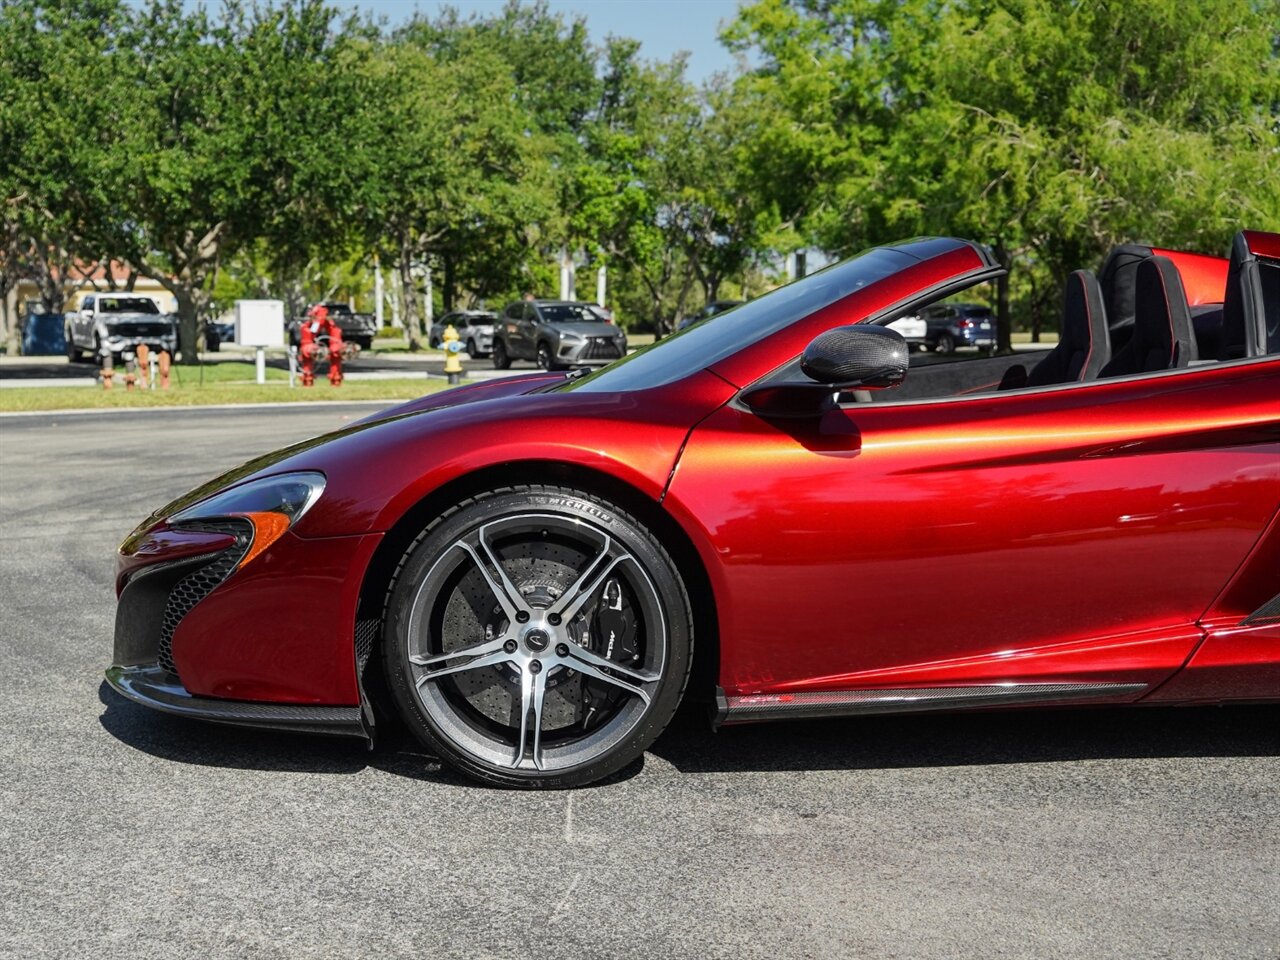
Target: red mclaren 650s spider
<point>773,510</point>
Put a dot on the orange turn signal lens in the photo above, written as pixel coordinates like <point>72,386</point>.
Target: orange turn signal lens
<point>268,527</point>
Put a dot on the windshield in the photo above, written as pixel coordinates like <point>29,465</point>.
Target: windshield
<point>569,313</point>
<point>706,343</point>
<point>127,305</point>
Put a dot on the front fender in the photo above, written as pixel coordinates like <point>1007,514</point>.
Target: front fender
<point>377,473</point>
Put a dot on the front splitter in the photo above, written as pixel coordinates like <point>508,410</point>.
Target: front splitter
<point>154,687</point>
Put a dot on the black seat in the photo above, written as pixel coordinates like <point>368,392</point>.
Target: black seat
<point>1118,277</point>
<point>1163,336</point>
<point>1083,347</point>
<point>1244,327</point>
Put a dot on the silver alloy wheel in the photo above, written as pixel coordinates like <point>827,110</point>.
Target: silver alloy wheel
<point>544,575</point>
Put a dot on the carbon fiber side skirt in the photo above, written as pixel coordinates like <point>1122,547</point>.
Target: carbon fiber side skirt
<point>751,708</point>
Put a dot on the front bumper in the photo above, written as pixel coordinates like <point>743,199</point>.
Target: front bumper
<point>269,645</point>
<point>592,352</point>
<point>123,344</point>
<point>153,686</point>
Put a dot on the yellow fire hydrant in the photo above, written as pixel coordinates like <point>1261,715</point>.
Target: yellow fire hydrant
<point>452,354</point>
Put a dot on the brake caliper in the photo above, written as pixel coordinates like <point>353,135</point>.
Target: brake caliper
<point>613,636</point>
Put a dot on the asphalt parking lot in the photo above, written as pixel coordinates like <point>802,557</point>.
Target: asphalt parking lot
<point>126,833</point>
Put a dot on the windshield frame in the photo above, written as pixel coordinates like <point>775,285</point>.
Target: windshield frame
<point>126,303</point>
<point>741,338</point>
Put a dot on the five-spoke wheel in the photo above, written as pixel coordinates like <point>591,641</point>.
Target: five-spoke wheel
<point>538,637</point>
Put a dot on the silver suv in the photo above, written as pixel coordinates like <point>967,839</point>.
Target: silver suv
<point>556,334</point>
<point>474,327</point>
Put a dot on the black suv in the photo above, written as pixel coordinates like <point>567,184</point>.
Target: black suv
<point>357,328</point>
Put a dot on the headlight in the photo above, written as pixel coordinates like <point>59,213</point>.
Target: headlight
<point>570,337</point>
<point>272,505</point>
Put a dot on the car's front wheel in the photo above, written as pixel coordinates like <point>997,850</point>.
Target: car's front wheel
<point>946,344</point>
<point>537,637</point>
<point>545,359</point>
<point>73,352</point>
<point>500,359</point>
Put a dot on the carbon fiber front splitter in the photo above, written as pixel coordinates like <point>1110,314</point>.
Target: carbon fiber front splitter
<point>154,687</point>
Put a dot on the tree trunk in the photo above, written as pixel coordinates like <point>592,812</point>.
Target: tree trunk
<point>52,293</point>
<point>409,298</point>
<point>1004,322</point>
<point>450,292</point>
<point>8,328</point>
<point>188,325</point>
<point>711,287</point>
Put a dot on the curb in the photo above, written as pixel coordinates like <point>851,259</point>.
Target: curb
<point>292,404</point>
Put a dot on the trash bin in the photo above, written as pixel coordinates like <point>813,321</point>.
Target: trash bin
<point>42,335</point>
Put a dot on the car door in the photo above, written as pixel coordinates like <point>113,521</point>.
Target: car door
<point>512,319</point>
<point>82,328</point>
<point>527,332</point>
<point>1070,535</point>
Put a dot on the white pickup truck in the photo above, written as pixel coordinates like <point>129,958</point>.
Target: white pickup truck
<point>120,323</point>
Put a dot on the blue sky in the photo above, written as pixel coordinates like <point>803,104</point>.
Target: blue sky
<point>663,27</point>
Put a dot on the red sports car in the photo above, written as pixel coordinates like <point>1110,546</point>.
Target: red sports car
<point>768,510</point>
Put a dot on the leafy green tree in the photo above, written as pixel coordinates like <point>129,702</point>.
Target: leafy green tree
<point>627,202</point>
<point>55,59</point>
<point>1048,130</point>
<point>235,136</point>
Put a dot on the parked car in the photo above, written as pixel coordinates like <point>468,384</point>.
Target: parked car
<point>556,334</point>
<point>708,310</point>
<point>952,325</point>
<point>536,571</point>
<point>216,333</point>
<point>357,328</point>
<point>914,329</point>
<point>474,328</point>
<point>118,323</point>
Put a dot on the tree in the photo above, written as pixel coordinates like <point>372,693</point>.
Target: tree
<point>1048,130</point>
<point>235,135</point>
<point>54,59</point>
<point>465,169</point>
<point>626,201</point>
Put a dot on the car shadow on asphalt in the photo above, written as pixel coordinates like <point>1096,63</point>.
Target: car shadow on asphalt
<point>202,743</point>
<point>967,739</point>
<point>691,746</point>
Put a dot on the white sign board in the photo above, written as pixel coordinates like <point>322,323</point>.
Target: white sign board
<point>260,323</point>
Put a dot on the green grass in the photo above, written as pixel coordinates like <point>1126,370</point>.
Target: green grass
<point>1047,338</point>
<point>190,394</point>
<point>216,371</point>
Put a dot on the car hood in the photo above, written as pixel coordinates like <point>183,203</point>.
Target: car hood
<point>601,329</point>
<point>472,392</point>
<point>110,318</point>
<point>380,466</point>
<point>483,390</point>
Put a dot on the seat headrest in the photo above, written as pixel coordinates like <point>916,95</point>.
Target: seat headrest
<point>1164,337</point>
<point>1243,326</point>
<point>1117,277</point>
<point>1084,322</point>
<point>1083,346</point>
